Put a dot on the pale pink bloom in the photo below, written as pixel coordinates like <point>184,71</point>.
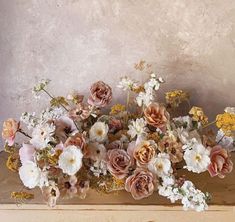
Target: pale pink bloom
<point>221,163</point>
<point>64,128</point>
<point>26,152</point>
<point>114,125</point>
<point>10,127</point>
<point>101,94</point>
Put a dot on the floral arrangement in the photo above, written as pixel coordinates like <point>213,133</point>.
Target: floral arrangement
<point>140,147</point>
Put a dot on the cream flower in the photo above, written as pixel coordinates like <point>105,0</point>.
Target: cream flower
<point>42,135</point>
<point>144,98</point>
<point>30,174</point>
<point>197,158</point>
<point>70,161</point>
<point>160,165</point>
<point>127,84</point>
<point>98,132</point>
<point>137,128</point>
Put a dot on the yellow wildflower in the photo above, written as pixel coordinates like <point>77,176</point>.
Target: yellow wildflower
<point>226,122</point>
<point>198,115</point>
<point>13,162</point>
<point>22,195</point>
<point>117,108</point>
<point>138,89</point>
<point>174,98</point>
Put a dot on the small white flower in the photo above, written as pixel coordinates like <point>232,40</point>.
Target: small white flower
<point>144,98</point>
<point>137,128</point>
<point>226,142</point>
<point>160,165</point>
<point>127,84</point>
<point>30,174</point>
<point>42,135</point>
<point>230,110</point>
<point>39,87</point>
<point>99,168</point>
<point>70,160</point>
<point>184,121</point>
<point>151,85</point>
<point>29,119</point>
<point>197,158</point>
<point>98,132</point>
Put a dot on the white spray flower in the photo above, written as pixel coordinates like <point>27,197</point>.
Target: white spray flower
<point>137,128</point>
<point>127,84</point>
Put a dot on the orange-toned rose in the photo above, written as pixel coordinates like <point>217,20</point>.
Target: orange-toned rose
<point>77,140</point>
<point>143,152</point>
<point>156,116</point>
<point>221,163</point>
<point>101,94</point>
<point>141,184</point>
<point>10,127</point>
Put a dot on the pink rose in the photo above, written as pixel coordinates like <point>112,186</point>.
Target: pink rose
<point>10,127</point>
<point>118,163</point>
<point>101,94</point>
<point>26,153</point>
<point>141,184</point>
<point>114,125</point>
<point>221,163</point>
<point>80,112</point>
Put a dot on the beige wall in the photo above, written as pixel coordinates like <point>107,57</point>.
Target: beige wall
<point>76,42</point>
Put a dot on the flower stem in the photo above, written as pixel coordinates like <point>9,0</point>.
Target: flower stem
<point>209,124</point>
<point>52,97</point>
<point>24,133</point>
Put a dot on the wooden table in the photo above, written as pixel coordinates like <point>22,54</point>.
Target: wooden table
<point>121,207</point>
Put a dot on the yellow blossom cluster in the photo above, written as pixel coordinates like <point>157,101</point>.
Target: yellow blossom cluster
<point>198,115</point>
<point>22,195</point>
<point>226,122</point>
<point>117,108</point>
<point>176,97</point>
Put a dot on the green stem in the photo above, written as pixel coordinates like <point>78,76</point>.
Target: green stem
<point>209,124</point>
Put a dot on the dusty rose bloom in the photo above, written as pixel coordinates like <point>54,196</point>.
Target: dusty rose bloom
<point>80,112</point>
<point>77,140</point>
<point>221,163</point>
<point>172,147</point>
<point>114,125</point>
<point>67,186</point>
<point>51,194</point>
<point>101,94</point>
<point>118,163</point>
<point>117,144</point>
<point>142,152</point>
<point>141,184</point>
<point>64,128</point>
<point>10,127</point>
<point>156,116</point>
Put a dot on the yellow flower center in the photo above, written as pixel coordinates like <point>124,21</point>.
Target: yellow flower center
<point>99,132</point>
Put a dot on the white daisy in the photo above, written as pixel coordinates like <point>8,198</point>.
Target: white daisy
<point>144,98</point>
<point>70,160</point>
<point>98,132</point>
<point>137,128</point>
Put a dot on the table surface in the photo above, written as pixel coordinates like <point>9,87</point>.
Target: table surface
<point>222,190</point>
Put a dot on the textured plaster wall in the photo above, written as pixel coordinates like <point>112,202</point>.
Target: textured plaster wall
<point>191,43</point>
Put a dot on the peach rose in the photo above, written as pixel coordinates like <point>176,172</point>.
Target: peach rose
<point>221,163</point>
<point>101,94</point>
<point>156,116</point>
<point>118,163</point>
<point>141,184</point>
<point>143,152</point>
<point>77,140</point>
<point>10,127</point>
